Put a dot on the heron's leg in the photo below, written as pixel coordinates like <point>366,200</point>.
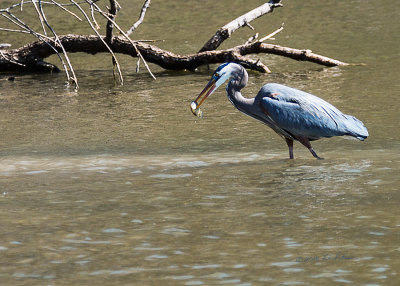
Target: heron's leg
<point>306,143</point>
<point>289,142</point>
<point>315,154</point>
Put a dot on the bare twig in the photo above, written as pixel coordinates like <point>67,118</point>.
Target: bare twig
<point>146,5</point>
<point>101,38</point>
<point>93,17</point>
<point>57,40</point>
<point>11,17</point>
<point>128,38</point>
<point>13,30</point>
<point>40,16</point>
<point>272,34</point>
<point>18,22</point>
<point>66,10</point>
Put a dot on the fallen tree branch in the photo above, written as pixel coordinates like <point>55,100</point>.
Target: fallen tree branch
<point>226,31</point>
<point>31,56</point>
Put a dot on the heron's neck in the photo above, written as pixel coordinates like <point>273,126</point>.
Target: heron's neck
<point>237,99</point>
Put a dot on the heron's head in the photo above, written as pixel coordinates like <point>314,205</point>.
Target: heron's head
<point>221,74</point>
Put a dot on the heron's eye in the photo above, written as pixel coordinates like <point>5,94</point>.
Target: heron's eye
<point>217,74</point>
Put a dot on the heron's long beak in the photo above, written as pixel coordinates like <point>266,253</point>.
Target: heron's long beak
<point>209,89</point>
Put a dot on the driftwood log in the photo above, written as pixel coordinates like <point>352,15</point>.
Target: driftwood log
<point>31,57</point>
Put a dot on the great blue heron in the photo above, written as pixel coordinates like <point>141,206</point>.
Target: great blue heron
<point>293,114</point>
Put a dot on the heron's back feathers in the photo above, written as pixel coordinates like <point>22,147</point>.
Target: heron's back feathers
<point>299,113</point>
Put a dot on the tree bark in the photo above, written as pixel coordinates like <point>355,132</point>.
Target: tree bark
<point>31,57</point>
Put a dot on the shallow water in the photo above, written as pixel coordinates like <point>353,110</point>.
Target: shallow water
<point>122,185</point>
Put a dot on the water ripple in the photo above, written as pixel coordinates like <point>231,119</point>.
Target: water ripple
<point>88,241</point>
<point>103,163</point>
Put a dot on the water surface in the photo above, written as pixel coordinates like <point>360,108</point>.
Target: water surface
<point>121,185</point>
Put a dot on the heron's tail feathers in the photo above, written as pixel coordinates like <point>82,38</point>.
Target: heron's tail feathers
<point>356,128</point>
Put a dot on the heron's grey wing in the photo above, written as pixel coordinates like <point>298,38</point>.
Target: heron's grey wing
<point>301,113</point>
